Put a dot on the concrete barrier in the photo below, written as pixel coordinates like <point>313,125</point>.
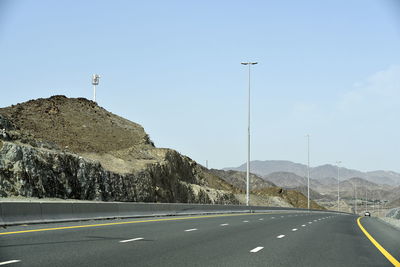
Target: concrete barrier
<point>145,209</point>
<point>14,213</point>
<point>57,211</point>
<point>1,215</point>
<point>85,210</point>
<point>21,212</point>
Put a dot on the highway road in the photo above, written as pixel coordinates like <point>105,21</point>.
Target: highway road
<point>258,239</point>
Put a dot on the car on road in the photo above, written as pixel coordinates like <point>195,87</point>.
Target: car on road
<point>367,213</point>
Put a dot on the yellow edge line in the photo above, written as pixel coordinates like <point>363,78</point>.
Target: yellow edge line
<point>378,246</point>
<point>129,222</point>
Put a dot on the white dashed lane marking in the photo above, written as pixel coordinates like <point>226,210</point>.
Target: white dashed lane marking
<point>303,225</point>
<point>294,229</point>
<point>131,240</point>
<point>224,224</point>
<point>9,262</point>
<point>261,219</point>
<point>245,221</point>
<point>257,249</point>
<point>190,230</point>
<point>280,236</point>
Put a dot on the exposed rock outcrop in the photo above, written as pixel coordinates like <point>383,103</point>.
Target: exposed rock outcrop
<point>37,172</point>
<point>72,148</point>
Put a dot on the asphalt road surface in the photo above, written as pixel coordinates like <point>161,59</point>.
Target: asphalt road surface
<point>258,239</point>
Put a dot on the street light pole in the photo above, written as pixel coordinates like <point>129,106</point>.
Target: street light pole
<point>308,171</point>
<point>248,138</point>
<point>95,81</point>
<point>355,198</point>
<point>338,197</point>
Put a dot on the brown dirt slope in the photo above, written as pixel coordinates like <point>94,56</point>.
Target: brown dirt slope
<point>293,197</point>
<point>76,123</point>
<point>238,179</point>
<point>394,203</point>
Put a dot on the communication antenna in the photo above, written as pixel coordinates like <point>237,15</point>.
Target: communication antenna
<point>95,81</point>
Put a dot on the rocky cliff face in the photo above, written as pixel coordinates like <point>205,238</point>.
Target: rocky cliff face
<point>38,172</point>
<point>71,148</point>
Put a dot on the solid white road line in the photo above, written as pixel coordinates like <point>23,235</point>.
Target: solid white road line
<point>224,224</point>
<point>9,262</point>
<point>190,230</point>
<point>130,240</point>
<point>294,229</point>
<point>280,236</point>
<point>257,249</point>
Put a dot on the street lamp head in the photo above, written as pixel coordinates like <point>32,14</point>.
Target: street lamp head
<point>95,79</point>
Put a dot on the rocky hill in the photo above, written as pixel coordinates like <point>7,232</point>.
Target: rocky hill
<point>290,180</point>
<point>313,194</point>
<point>393,194</point>
<point>264,168</point>
<point>264,192</point>
<point>394,204</point>
<point>293,197</point>
<point>238,179</point>
<point>358,187</point>
<point>72,148</point>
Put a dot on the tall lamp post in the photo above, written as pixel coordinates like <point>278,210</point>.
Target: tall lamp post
<point>355,198</point>
<point>308,171</point>
<point>338,197</point>
<point>248,139</point>
<point>95,81</point>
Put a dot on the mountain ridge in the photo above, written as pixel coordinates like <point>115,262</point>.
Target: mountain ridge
<point>264,168</point>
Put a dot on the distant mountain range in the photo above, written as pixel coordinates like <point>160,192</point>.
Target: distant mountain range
<point>319,173</point>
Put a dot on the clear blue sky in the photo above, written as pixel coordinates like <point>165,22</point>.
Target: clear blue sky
<point>327,68</point>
